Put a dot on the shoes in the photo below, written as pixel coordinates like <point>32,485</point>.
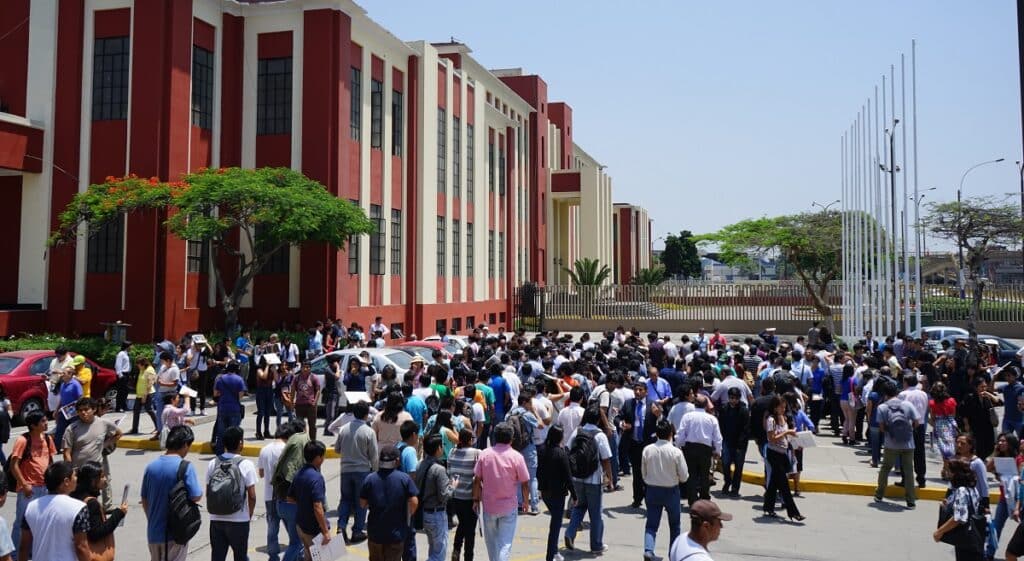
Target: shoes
<point>797,494</point>
<point>358,537</point>
<point>344,535</point>
<point>259,436</point>
<point>328,433</point>
<point>132,433</point>
<point>734,494</point>
<point>770,514</point>
<point>634,504</point>
<point>920,484</point>
<point>873,464</point>
<point>600,550</point>
<point>155,437</point>
<point>898,484</point>
<point>648,556</point>
<point>455,555</point>
<point>798,518</point>
<point>619,488</point>
<point>558,557</point>
<point>878,499</point>
<point>911,506</point>
<point>569,543</point>
<point>534,511</point>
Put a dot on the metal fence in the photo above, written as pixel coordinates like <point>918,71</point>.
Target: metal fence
<point>1000,303</point>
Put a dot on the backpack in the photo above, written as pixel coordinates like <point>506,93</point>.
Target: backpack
<point>12,482</point>
<point>583,456</point>
<point>433,403</point>
<point>183,517</point>
<point>522,436</point>
<point>898,424</point>
<point>225,491</point>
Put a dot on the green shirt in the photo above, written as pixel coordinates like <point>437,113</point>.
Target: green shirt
<point>289,464</point>
<point>489,397</point>
<point>442,390</point>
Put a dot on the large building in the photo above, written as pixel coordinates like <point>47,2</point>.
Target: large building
<point>631,236</point>
<point>472,176</point>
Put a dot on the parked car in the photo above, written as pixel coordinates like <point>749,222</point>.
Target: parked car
<point>454,344</point>
<point>379,357</point>
<point>425,349</point>
<point>1007,350</point>
<point>24,377</point>
<point>933,334</point>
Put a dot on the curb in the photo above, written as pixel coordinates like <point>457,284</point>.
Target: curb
<point>202,447</point>
<point>863,489</point>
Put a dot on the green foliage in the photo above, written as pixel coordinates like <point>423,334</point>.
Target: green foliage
<point>680,256</point>
<point>588,272</point>
<point>96,348</point>
<point>649,277</point>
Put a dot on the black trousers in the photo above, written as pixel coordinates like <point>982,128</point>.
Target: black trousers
<point>835,414</point>
<point>920,467</point>
<point>465,537</point>
<point>139,407</point>
<point>121,398</point>
<point>636,453</point>
<point>817,411</point>
<point>778,467</point>
<point>229,534</point>
<point>861,416</point>
<point>698,463</point>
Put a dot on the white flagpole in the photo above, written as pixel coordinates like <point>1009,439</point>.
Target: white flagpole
<point>906,214</point>
<point>845,255</point>
<point>917,204</point>
<point>895,257</point>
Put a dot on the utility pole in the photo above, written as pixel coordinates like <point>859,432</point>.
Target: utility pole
<point>891,170</point>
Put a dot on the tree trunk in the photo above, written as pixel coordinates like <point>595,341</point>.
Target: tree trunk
<point>818,300</point>
<point>977,288</point>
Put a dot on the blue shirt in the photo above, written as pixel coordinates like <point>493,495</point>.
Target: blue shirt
<point>416,407</point>
<point>408,459</point>
<point>387,491</point>
<point>160,476</point>
<point>816,381</point>
<point>308,488</point>
<point>70,392</point>
<point>657,391</point>
<point>500,388</point>
<point>229,385</point>
<point>1011,414</point>
<point>242,344</point>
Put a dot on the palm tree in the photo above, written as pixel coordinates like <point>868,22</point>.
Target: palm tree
<point>649,277</point>
<point>588,272</point>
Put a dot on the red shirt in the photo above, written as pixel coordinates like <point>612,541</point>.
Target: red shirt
<point>944,409</point>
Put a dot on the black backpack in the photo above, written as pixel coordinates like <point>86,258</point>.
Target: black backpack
<point>522,436</point>
<point>583,456</point>
<point>183,517</point>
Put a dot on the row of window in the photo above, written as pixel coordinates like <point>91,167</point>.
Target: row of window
<point>441,325</point>
<point>442,250</point>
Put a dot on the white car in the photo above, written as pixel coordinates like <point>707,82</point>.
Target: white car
<point>455,343</point>
<point>379,357</point>
<point>933,334</point>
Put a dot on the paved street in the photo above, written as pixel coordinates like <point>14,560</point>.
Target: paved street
<point>837,527</point>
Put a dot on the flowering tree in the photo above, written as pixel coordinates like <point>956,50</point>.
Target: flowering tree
<point>271,208</point>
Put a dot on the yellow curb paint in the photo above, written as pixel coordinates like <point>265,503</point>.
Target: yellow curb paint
<point>862,489</point>
<point>250,450</point>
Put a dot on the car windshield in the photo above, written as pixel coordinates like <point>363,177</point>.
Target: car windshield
<point>8,364</point>
<point>426,353</point>
<point>400,359</point>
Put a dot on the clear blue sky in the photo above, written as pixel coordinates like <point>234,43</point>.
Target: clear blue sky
<point>739,105</point>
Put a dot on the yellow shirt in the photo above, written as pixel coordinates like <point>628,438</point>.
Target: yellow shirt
<point>144,385</point>
<point>84,376</point>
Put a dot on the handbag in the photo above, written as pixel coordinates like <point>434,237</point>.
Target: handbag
<point>967,536</point>
<point>993,417</point>
<point>102,549</point>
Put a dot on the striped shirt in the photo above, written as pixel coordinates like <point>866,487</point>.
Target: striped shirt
<point>461,462</point>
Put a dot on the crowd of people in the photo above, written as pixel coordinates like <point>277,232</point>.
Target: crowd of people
<point>485,435</point>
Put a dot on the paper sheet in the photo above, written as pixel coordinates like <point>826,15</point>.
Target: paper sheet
<point>1006,467</point>
<point>335,549</point>
<point>804,439</point>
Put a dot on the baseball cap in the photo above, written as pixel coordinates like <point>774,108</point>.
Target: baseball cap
<point>78,360</point>
<point>389,457</point>
<point>707,511</point>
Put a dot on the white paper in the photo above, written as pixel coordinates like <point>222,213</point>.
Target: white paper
<point>356,397</point>
<point>199,339</point>
<point>188,392</point>
<point>335,549</point>
<point>804,439</point>
<point>1006,467</point>
<point>271,358</point>
<point>69,411</point>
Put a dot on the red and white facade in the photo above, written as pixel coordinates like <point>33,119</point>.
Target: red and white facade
<point>631,237</point>
<point>472,176</point>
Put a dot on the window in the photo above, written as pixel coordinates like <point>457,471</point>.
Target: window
<point>456,249</point>
<point>441,326</point>
<point>491,319</point>
<point>353,249</point>
<point>377,241</point>
<point>490,254</point>
<point>469,252</point>
<point>106,248</point>
<point>470,159</point>
<point>274,96</point>
<point>376,114</point>
<point>470,322</point>
<point>501,255</point>
<point>202,87</point>
<point>441,246</point>
<point>442,156</point>
<point>501,167</point>
<point>355,117</point>
<point>396,242</point>
<point>501,317</point>
<point>278,262</point>
<point>456,157</point>
<point>110,79</point>
<point>456,325</point>
<point>197,256</point>
<point>490,166</point>
<point>397,114</point>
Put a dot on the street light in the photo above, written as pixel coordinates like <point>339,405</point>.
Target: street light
<point>892,169</point>
<point>920,233</point>
<point>824,208</point>
<point>959,198</point>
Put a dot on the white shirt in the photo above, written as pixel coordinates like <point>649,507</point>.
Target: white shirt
<point>671,350</point>
<point>664,465</point>
<point>918,398</point>
<point>267,463</point>
<point>478,413</point>
<point>514,384</point>
<point>544,410</point>
<point>675,415</point>
<point>686,548</point>
<point>721,394</point>
<point>380,327</point>
<point>51,519</point>
<point>168,374</point>
<point>122,364</point>
<point>569,419</point>
<point>700,427</point>
<point>249,479</point>
<point>604,452</point>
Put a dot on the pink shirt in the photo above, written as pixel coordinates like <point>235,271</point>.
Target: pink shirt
<point>501,470</point>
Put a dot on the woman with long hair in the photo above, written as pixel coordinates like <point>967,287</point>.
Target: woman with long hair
<point>461,462</point>
<point>965,447</point>
<point>777,458</point>
<point>1006,447</point>
<point>92,479</point>
<point>942,413</point>
<point>797,420</point>
<point>444,426</point>
<point>265,398</point>
<point>963,500</point>
<point>387,425</point>
<point>976,410</point>
<point>554,481</point>
<point>847,401</point>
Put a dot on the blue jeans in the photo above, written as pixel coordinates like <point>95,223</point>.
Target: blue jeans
<point>733,456</point>
<point>287,512</point>
<point>659,498</point>
<point>273,529</point>
<point>589,495</point>
<point>614,444</point>
<point>435,525</point>
<point>350,484</point>
<point>530,455</point>
<point>58,432</point>
<point>280,409</point>
<point>499,529</point>
<point>556,507</point>
<point>264,408</point>
<point>37,491</point>
<point>224,420</point>
<point>875,444</point>
<point>999,521</point>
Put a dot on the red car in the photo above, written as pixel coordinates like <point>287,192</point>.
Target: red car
<point>23,376</point>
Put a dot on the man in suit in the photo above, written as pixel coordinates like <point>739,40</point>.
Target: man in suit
<point>638,422</point>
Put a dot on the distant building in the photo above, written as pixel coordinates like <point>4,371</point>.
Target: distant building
<point>631,238</point>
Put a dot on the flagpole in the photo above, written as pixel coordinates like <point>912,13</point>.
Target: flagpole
<point>906,215</point>
<point>917,205</point>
